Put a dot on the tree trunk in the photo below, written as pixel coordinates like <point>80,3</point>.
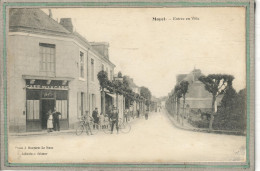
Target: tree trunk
<point>103,108</point>
<point>183,108</point>
<point>178,110</point>
<point>212,112</point>
<point>117,101</point>
<point>172,105</point>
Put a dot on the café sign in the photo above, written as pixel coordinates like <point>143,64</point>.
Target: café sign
<point>52,87</point>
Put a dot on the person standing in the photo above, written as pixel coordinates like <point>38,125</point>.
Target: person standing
<point>95,115</point>
<point>131,111</point>
<point>114,119</point>
<point>86,120</point>
<point>125,115</point>
<point>146,114</point>
<point>49,121</point>
<point>56,120</point>
<point>102,120</point>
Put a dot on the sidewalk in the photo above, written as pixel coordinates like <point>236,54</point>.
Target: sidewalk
<point>44,132</point>
<point>187,126</point>
<point>55,133</point>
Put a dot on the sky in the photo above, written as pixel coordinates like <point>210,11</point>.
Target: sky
<point>153,53</point>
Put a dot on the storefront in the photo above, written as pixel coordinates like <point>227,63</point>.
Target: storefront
<point>110,98</point>
<point>45,95</point>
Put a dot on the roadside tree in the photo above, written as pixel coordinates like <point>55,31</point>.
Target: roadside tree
<point>216,84</point>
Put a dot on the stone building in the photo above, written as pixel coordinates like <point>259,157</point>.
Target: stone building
<point>50,65</point>
<point>198,99</point>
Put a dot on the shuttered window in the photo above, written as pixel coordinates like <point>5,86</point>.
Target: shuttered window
<point>47,55</point>
<point>81,103</point>
<point>82,65</point>
<point>92,70</point>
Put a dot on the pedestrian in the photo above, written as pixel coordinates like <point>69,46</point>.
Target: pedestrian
<point>86,120</point>
<point>106,121</point>
<point>49,121</point>
<point>114,119</point>
<point>102,120</point>
<point>138,113</point>
<point>125,115</point>
<point>95,116</point>
<point>146,114</point>
<point>56,120</point>
<point>131,111</point>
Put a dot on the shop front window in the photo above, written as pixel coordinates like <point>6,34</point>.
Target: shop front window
<point>33,105</point>
<point>62,103</point>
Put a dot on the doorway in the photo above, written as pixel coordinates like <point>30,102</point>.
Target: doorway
<point>46,106</point>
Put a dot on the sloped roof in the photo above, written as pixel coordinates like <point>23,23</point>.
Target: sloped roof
<point>34,19</point>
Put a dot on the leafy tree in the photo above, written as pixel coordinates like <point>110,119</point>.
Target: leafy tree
<point>146,93</point>
<point>241,109</point>
<point>103,79</point>
<point>216,84</point>
<point>104,83</point>
<point>232,112</point>
<point>119,75</point>
<point>178,95</point>
<point>184,85</point>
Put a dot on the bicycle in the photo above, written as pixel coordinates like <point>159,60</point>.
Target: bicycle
<point>90,126</point>
<point>124,127</point>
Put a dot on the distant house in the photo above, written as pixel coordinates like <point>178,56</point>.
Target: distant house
<point>198,98</point>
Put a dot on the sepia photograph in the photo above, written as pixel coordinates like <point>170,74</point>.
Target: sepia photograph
<point>127,85</point>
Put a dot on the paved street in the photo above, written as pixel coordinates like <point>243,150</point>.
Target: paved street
<point>152,140</point>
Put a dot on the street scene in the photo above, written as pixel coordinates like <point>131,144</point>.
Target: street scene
<point>152,140</point>
<point>94,85</point>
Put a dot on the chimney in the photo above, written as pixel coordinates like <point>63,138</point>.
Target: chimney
<point>50,13</point>
<point>101,47</point>
<point>67,23</point>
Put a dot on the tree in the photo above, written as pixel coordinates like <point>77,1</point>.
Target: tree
<point>178,95</point>
<point>119,75</point>
<point>146,93</point>
<point>232,111</point>
<point>241,109</point>
<point>104,82</point>
<point>127,89</point>
<point>216,84</point>
<point>184,85</point>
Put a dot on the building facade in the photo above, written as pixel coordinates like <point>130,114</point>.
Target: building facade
<point>198,99</point>
<point>51,66</point>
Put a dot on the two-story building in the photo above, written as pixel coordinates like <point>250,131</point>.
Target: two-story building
<point>50,65</point>
<point>198,99</point>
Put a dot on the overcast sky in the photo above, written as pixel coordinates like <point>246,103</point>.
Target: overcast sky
<point>153,53</point>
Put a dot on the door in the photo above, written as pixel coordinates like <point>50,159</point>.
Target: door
<point>46,106</point>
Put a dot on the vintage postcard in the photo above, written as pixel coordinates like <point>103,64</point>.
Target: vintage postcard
<point>127,85</point>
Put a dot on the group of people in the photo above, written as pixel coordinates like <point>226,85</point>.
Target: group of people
<point>102,120</point>
<point>130,114</point>
<point>53,121</point>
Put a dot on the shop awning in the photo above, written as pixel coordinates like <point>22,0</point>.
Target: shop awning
<point>37,77</point>
<point>111,95</point>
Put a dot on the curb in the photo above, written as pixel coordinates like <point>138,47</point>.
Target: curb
<point>237,133</point>
<point>41,133</point>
